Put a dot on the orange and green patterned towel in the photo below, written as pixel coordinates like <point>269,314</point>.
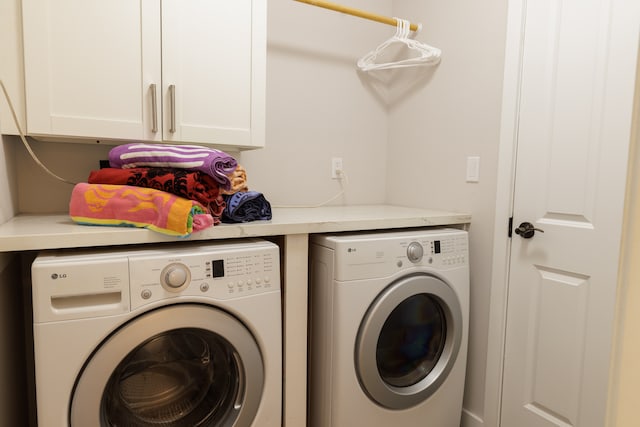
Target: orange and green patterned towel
<point>124,205</point>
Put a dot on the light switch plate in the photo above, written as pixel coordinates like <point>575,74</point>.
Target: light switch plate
<point>473,169</point>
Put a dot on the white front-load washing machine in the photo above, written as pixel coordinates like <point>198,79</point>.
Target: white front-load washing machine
<point>389,325</point>
<point>173,335</point>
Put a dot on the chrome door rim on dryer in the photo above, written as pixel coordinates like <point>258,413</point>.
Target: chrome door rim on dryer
<point>412,390</point>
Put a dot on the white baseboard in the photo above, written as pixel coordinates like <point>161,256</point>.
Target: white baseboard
<point>469,419</point>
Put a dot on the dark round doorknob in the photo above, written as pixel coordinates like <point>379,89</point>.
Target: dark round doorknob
<point>526,230</point>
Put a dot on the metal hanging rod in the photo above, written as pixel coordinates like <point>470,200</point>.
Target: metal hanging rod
<point>357,12</point>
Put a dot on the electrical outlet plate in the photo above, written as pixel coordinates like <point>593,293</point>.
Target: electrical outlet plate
<point>336,167</point>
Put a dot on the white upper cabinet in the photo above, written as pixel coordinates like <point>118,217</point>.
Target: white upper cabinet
<point>189,71</point>
<point>214,61</point>
<point>88,67</point>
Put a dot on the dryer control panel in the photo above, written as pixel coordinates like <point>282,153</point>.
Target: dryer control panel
<point>441,252</point>
<point>374,255</point>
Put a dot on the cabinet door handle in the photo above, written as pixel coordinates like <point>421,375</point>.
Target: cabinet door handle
<point>172,98</point>
<point>154,108</point>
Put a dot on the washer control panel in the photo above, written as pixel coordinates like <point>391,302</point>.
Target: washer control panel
<point>78,284</point>
<point>415,251</point>
<point>220,274</point>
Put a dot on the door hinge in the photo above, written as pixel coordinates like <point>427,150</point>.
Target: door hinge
<point>510,231</point>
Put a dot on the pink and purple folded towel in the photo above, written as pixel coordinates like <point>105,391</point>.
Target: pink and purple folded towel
<point>117,205</point>
<point>215,163</point>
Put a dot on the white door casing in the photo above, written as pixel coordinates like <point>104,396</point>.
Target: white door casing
<point>572,129</point>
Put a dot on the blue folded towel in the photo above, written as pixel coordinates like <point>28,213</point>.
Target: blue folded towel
<point>246,206</point>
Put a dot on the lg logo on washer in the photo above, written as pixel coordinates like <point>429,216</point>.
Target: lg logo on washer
<point>55,276</point>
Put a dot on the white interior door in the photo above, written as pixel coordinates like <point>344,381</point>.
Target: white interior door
<point>576,102</point>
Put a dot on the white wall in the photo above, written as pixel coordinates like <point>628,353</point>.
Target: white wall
<point>317,108</point>
<point>8,183</point>
<point>41,193</point>
<point>440,121</point>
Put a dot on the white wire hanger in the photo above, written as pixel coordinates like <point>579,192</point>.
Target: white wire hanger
<point>425,54</point>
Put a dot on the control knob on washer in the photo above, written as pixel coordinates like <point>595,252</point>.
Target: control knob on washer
<point>415,252</point>
<point>175,275</point>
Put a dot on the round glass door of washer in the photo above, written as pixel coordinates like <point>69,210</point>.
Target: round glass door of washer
<point>205,372</point>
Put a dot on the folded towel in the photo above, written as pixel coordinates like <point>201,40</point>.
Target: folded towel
<point>238,180</point>
<point>246,206</point>
<point>103,204</point>
<point>215,163</point>
<point>193,185</point>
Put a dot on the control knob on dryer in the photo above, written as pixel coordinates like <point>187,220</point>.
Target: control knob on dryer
<point>415,252</point>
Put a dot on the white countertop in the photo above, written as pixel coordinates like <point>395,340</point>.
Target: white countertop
<point>34,232</point>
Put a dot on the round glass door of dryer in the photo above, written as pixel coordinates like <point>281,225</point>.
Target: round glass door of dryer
<point>411,341</point>
<point>408,341</point>
<point>205,371</point>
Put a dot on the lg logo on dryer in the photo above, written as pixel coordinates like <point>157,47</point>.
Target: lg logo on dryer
<point>55,276</point>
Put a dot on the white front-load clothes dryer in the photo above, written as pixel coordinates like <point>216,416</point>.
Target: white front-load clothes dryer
<point>176,335</point>
<point>389,321</point>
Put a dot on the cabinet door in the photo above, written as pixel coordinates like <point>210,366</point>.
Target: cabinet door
<point>213,71</point>
<point>90,66</point>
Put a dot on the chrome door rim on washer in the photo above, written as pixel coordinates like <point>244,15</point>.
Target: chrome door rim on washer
<point>366,365</point>
<point>85,406</point>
